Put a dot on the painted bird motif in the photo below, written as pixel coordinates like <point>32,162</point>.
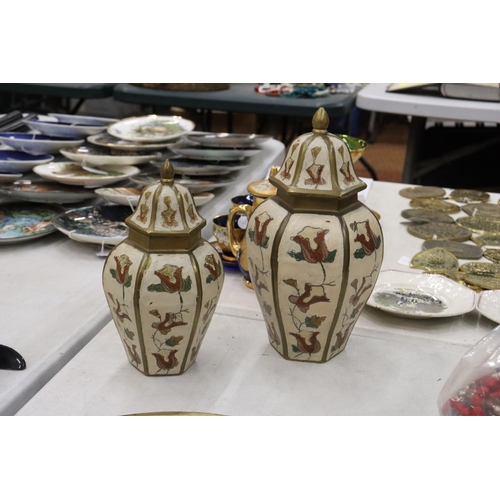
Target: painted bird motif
<point>133,354</point>
<point>311,347</point>
<point>166,364</point>
<point>304,301</point>
<point>118,309</point>
<point>369,244</point>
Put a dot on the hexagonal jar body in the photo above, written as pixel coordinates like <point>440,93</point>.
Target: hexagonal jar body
<point>314,250</point>
<point>163,282</point>
<point>162,304</point>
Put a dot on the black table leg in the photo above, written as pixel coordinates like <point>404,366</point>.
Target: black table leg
<point>417,127</point>
<point>370,169</point>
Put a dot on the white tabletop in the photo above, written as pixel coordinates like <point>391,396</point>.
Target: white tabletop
<point>391,366</point>
<point>374,97</point>
<point>52,297</point>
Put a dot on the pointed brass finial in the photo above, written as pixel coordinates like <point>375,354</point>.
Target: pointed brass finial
<point>167,173</point>
<point>320,121</point>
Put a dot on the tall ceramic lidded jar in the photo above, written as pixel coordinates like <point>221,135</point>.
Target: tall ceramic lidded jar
<point>314,250</point>
<point>163,282</point>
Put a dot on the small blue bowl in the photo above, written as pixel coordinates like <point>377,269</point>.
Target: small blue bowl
<point>13,162</point>
<point>244,199</point>
<point>37,144</point>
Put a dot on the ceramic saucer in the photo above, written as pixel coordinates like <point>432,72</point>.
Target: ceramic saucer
<point>152,128</point>
<point>74,174</point>
<point>46,192</point>
<point>95,224</point>
<point>50,126</point>
<point>198,184</point>
<point>36,144</point>
<point>93,121</point>
<point>13,162</point>
<point>120,195</point>
<point>94,155</point>
<point>489,304</point>
<point>415,295</point>
<point>20,222</point>
<point>109,141</point>
<point>224,140</point>
<point>6,178</point>
<point>201,153</point>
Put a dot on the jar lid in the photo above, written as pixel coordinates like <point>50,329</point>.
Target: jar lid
<point>319,165</point>
<point>263,188</point>
<point>166,217</point>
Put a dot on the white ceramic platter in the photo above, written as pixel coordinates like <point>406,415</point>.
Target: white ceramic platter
<point>109,141</point>
<point>93,155</point>
<point>73,174</point>
<point>93,121</point>
<point>201,153</point>
<point>224,140</point>
<point>49,126</point>
<point>152,128</point>
<point>6,178</point>
<point>14,162</point>
<point>417,295</point>
<point>489,304</point>
<point>37,144</point>
<point>128,196</point>
<point>46,192</point>
<point>95,224</point>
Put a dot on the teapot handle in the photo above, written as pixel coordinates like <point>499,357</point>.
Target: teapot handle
<point>238,210</point>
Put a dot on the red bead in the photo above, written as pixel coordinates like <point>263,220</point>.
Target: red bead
<point>489,381</point>
<point>466,412</point>
<point>477,411</point>
<point>495,394</point>
<point>482,390</point>
<point>476,400</point>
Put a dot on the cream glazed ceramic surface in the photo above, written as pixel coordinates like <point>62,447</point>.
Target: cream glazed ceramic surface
<point>163,331</point>
<point>163,282</point>
<point>322,280</point>
<point>314,250</point>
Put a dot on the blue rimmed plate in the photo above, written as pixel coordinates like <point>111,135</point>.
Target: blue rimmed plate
<point>13,162</point>
<point>37,144</point>
<point>50,126</point>
<point>93,121</point>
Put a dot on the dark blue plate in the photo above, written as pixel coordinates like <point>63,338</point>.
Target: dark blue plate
<point>16,156</point>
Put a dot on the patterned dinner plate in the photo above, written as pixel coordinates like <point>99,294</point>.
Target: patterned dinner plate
<point>109,141</point>
<point>151,128</point>
<point>413,295</point>
<point>20,222</point>
<point>95,155</point>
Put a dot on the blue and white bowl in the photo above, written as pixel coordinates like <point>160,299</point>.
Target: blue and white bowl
<point>37,144</point>
<point>13,162</point>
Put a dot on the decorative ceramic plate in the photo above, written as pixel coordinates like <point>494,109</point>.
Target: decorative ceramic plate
<point>201,153</point>
<point>489,304</point>
<point>55,129</point>
<point>95,224</point>
<point>109,141</point>
<point>121,195</point>
<point>146,177</point>
<point>37,144</point>
<point>13,162</point>
<point>20,222</point>
<point>420,295</point>
<point>199,184</point>
<point>5,178</point>
<point>224,140</point>
<point>200,167</point>
<point>46,192</point>
<point>94,155</point>
<point>482,210</point>
<point>74,174</point>
<point>93,121</point>
<point>152,128</point>
<point>422,192</point>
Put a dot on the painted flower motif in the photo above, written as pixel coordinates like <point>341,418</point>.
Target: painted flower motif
<point>369,241</point>
<point>313,255</point>
<point>123,264</point>
<point>305,300</point>
<point>214,268</point>
<point>259,234</point>
<point>171,280</point>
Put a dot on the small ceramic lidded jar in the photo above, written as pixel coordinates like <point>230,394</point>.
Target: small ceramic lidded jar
<point>314,251</point>
<point>163,282</point>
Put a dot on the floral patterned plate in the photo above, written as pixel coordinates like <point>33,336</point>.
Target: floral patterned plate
<point>489,304</point>
<point>152,128</point>
<point>95,224</point>
<point>415,295</point>
<point>20,222</point>
<point>95,155</point>
<point>46,192</point>
<point>73,174</point>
